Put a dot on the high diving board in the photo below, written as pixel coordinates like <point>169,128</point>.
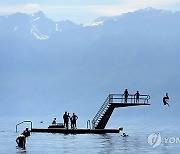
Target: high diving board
<point>114,101</point>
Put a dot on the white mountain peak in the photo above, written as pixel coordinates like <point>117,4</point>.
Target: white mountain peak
<point>96,23</point>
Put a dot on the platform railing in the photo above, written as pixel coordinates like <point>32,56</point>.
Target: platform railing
<point>25,121</point>
<point>131,98</point>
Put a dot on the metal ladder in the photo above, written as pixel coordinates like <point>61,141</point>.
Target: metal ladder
<point>25,121</point>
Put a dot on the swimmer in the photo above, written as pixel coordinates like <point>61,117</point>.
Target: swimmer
<point>124,135</point>
<point>21,141</point>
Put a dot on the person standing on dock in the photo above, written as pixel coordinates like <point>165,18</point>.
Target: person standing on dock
<point>137,94</point>
<point>73,121</point>
<point>68,120</point>
<point>126,95</point>
<point>65,117</point>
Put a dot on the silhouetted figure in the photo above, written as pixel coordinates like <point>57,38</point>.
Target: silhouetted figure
<point>165,99</point>
<point>126,95</point>
<point>26,132</point>
<point>68,120</point>
<point>21,141</point>
<point>54,121</point>
<point>65,117</point>
<point>137,96</point>
<point>124,135</point>
<point>73,120</point>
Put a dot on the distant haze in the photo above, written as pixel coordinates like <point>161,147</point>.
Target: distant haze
<point>48,67</point>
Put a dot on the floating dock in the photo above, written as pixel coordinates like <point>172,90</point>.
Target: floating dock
<point>98,123</point>
<point>75,131</point>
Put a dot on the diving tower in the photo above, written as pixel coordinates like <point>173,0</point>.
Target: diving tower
<point>115,101</point>
<point>100,119</point>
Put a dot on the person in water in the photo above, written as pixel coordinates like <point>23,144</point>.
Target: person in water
<point>21,141</point>
<point>124,135</point>
<point>26,132</point>
<point>165,99</point>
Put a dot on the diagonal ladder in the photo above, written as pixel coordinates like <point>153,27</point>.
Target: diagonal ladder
<point>105,106</point>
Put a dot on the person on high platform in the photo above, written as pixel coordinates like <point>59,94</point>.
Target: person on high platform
<point>137,94</point>
<point>125,95</point>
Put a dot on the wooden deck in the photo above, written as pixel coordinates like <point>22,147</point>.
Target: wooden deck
<point>74,131</point>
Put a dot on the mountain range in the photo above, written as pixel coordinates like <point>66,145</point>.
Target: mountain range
<point>48,67</point>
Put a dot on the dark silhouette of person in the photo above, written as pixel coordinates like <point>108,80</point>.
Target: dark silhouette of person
<point>124,135</point>
<point>165,99</point>
<point>125,95</point>
<point>21,141</point>
<point>54,121</point>
<point>26,132</point>
<point>73,121</point>
<point>68,120</point>
<point>65,117</point>
<point>137,94</point>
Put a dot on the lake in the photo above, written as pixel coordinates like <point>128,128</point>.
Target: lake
<point>136,142</point>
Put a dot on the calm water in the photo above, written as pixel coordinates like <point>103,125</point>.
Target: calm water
<point>91,143</point>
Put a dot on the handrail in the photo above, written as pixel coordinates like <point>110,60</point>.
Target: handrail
<point>101,110</point>
<point>88,124</point>
<point>118,98</point>
<point>22,123</point>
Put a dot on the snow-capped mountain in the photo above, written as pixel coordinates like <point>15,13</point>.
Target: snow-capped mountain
<point>38,26</point>
<point>42,61</point>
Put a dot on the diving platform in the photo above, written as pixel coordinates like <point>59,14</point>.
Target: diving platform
<point>74,131</point>
<point>100,120</point>
<point>115,101</point>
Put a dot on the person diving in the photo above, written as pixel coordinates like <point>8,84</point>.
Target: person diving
<point>166,99</point>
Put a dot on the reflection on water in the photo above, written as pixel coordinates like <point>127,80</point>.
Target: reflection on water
<point>136,142</point>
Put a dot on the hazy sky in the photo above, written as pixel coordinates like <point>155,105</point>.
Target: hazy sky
<point>83,11</point>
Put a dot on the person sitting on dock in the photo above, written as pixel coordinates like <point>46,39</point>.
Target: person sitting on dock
<point>21,141</point>
<point>73,121</point>
<point>137,94</point>
<point>125,95</point>
<point>165,99</point>
<point>54,121</point>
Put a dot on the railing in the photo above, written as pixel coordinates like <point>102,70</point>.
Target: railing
<point>131,98</point>
<point>101,111</point>
<point>88,124</point>
<point>22,123</point>
<point>118,98</point>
